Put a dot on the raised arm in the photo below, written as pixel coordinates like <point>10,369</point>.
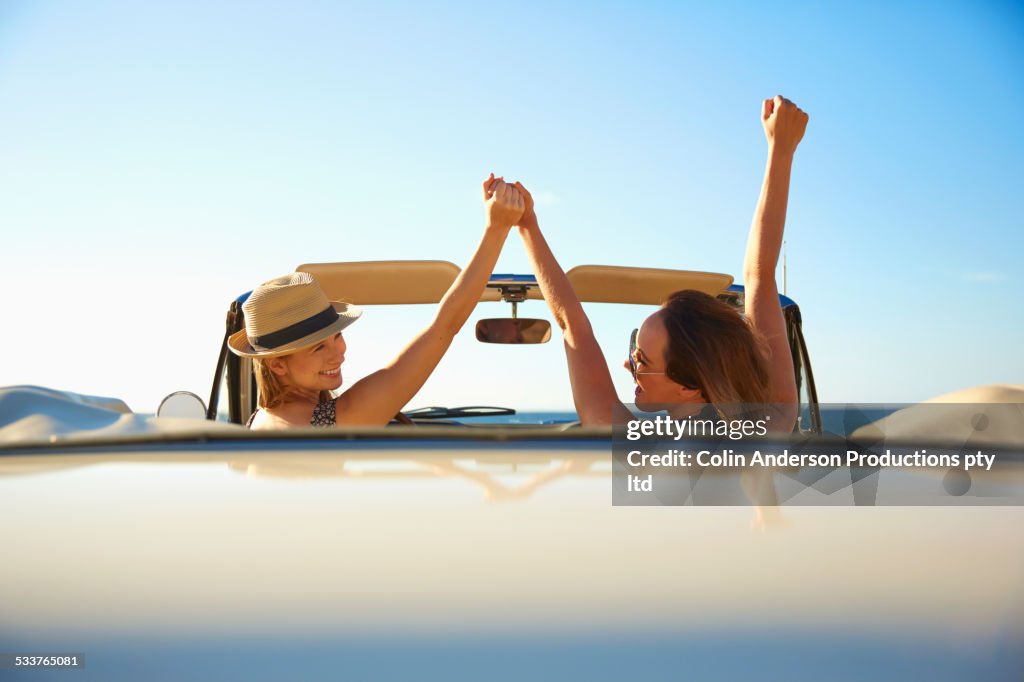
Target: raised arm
<point>592,388</point>
<point>377,397</point>
<point>784,125</point>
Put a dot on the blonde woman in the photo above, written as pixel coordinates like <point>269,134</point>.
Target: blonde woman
<point>294,335</point>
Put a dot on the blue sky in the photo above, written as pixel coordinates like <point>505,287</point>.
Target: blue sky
<point>160,158</point>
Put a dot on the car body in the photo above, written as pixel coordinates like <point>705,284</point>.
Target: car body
<point>455,553</point>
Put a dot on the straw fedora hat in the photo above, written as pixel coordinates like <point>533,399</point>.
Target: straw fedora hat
<point>289,313</point>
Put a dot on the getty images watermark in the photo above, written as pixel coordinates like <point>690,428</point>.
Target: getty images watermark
<point>922,454</point>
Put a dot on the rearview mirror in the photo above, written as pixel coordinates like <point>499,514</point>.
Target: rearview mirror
<point>513,330</point>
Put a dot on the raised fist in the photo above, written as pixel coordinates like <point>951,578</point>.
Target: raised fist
<point>503,203</point>
<point>784,123</point>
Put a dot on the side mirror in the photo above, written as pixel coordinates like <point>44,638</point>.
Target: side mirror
<point>513,330</point>
<point>182,404</point>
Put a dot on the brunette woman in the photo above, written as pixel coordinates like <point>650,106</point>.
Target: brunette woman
<point>696,354</point>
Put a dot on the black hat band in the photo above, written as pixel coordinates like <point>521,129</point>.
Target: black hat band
<point>296,331</point>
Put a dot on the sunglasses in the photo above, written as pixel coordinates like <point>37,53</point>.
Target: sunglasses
<point>632,356</point>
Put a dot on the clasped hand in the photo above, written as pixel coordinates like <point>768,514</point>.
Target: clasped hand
<point>503,202</point>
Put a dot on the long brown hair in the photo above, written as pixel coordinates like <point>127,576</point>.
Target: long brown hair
<point>272,391</point>
<point>712,348</point>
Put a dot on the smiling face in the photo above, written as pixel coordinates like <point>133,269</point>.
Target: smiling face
<point>655,391</point>
<point>315,369</point>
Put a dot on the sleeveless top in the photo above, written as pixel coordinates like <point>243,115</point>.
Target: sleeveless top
<point>323,414</point>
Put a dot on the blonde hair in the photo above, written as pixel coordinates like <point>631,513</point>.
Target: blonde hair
<point>272,391</point>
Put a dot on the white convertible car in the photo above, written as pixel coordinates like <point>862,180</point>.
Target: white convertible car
<point>168,548</point>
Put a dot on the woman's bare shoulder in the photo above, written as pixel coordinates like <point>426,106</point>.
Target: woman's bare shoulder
<point>285,416</point>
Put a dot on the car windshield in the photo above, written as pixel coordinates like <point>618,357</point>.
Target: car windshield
<point>531,378</point>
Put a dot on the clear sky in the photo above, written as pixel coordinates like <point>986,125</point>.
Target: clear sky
<point>158,159</point>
